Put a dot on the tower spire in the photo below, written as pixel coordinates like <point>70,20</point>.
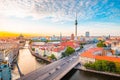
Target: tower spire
<point>76,15</point>
<point>60,37</point>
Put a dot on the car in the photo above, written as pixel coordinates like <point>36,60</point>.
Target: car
<point>49,73</point>
<point>68,61</point>
<point>63,64</point>
<point>58,68</point>
<point>74,57</point>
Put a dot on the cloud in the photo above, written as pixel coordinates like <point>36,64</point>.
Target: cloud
<point>57,10</point>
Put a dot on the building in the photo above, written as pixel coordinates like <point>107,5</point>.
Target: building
<point>1,56</point>
<point>72,36</point>
<point>60,37</point>
<point>94,54</point>
<point>87,34</point>
<point>8,49</point>
<point>5,72</point>
<point>72,44</point>
<point>43,39</point>
<point>48,49</point>
<point>56,48</point>
<point>21,37</point>
<point>114,44</point>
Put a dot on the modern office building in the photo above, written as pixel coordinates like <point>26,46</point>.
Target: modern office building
<point>5,72</point>
<point>87,34</point>
<point>72,36</point>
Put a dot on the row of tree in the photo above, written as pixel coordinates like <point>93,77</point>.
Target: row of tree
<point>102,65</point>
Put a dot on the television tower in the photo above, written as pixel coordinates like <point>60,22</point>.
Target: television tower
<point>76,27</point>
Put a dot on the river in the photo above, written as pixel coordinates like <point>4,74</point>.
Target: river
<point>27,63</point>
<point>82,75</point>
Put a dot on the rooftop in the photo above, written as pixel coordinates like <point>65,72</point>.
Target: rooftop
<point>89,54</point>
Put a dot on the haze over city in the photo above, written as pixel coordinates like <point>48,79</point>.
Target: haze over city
<point>49,17</point>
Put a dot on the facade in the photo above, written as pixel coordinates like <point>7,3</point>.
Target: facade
<point>114,44</point>
<point>87,34</point>
<point>55,48</point>
<point>84,60</point>
<point>5,72</point>
<point>8,50</point>
<point>1,56</point>
<point>72,36</point>
<point>48,51</point>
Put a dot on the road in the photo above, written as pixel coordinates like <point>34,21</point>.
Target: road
<point>86,47</point>
<point>57,68</point>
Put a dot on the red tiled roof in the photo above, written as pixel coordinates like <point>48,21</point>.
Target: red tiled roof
<point>69,43</point>
<point>42,48</point>
<point>58,49</point>
<point>89,54</point>
<point>55,49</point>
<point>108,58</point>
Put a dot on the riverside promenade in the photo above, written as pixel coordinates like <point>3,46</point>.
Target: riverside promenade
<point>81,67</point>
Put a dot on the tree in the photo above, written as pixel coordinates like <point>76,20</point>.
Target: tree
<point>101,44</point>
<point>111,67</point>
<point>98,65</point>
<point>53,57</point>
<point>81,46</point>
<point>117,67</point>
<point>87,65</point>
<point>69,51</point>
<point>44,55</point>
<point>63,54</point>
<point>102,65</point>
<point>33,49</point>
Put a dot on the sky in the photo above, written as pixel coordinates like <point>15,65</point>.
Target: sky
<point>52,17</point>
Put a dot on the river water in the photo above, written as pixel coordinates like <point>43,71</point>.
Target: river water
<point>27,63</point>
<point>82,75</point>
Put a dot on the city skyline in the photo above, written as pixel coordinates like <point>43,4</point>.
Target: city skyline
<point>49,17</point>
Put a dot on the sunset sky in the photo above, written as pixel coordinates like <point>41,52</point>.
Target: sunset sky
<point>49,17</point>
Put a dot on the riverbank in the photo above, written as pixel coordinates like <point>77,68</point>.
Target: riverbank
<point>15,57</point>
<point>99,72</point>
<point>38,56</point>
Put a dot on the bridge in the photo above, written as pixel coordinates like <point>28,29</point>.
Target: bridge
<point>55,70</point>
